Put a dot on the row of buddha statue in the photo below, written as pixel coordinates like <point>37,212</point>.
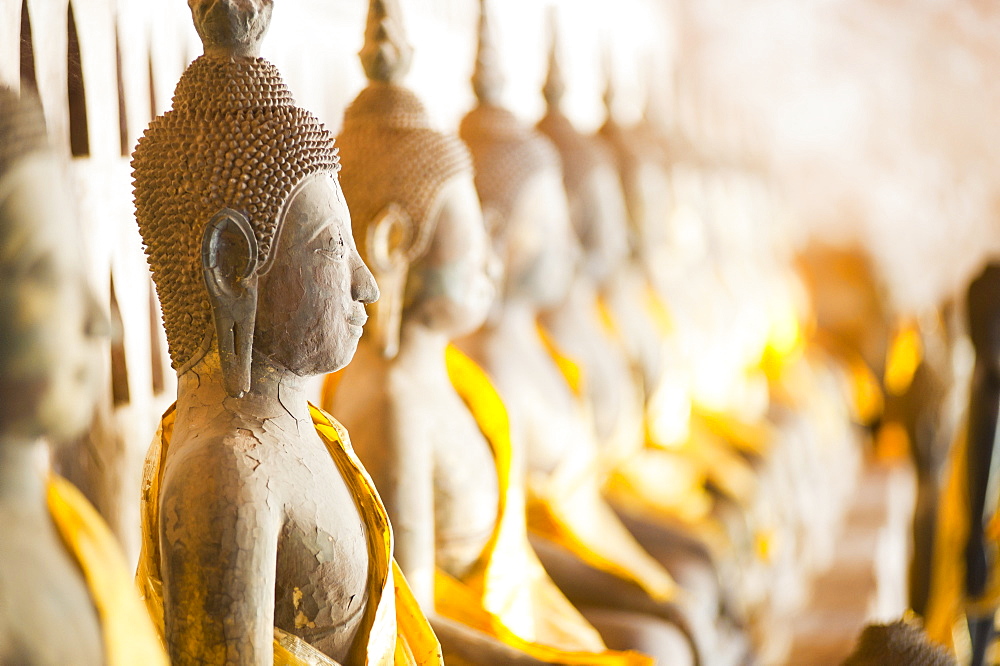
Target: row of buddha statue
<point>530,475</point>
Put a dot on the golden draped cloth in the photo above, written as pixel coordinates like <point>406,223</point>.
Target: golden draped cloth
<point>507,594</point>
<point>128,635</point>
<point>398,632</point>
<point>567,508</point>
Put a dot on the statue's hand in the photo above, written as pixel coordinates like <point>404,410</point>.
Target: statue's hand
<point>977,567</point>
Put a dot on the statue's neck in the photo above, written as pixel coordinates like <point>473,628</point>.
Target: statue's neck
<point>421,357</point>
<point>422,349</point>
<point>624,273</point>
<point>516,324</point>
<point>276,395</point>
<point>581,296</point>
<point>24,472</point>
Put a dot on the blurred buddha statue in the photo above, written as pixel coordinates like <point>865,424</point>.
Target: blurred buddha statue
<point>66,596</point>
<point>676,307</point>
<point>922,414</point>
<point>586,549</point>
<point>965,579</point>
<point>264,539</point>
<point>645,180</point>
<point>592,325</point>
<point>852,320</point>
<point>579,324</point>
<point>425,419</point>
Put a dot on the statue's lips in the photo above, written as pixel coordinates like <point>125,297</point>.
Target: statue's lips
<point>356,324</point>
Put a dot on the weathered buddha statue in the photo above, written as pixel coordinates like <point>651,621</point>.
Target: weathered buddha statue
<point>595,333</point>
<point>264,538</point>
<point>425,419</point>
<point>587,550</point>
<point>66,596</point>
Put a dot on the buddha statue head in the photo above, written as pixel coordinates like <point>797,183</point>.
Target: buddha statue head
<point>416,214</point>
<point>519,180</point>
<point>242,216</point>
<point>597,204</point>
<point>51,327</point>
<point>645,177</point>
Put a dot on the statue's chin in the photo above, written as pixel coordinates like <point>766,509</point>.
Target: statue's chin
<point>67,405</point>
<point>332,361</point>
<point>68,422</point>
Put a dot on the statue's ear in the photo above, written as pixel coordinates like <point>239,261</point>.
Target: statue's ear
<point>390,244</point>
<point>229,260</point>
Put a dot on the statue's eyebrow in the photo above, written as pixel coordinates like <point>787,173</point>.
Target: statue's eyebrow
<point>322,226</point>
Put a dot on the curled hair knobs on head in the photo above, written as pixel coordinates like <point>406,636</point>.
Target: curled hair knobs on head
<point>233,139</point>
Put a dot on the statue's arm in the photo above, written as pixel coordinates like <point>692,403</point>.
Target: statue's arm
<point>218,544</point>
<point>403,470</point>
<point>405,480</point>
<point>984,402</point>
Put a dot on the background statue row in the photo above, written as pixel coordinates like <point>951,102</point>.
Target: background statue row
<point>264,538</point>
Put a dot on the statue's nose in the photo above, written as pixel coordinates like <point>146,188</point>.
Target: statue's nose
<point>363,286</point>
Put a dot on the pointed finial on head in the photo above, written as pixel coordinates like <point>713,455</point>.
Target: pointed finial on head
<point>554,87</point>
<point>487,79</point>
<point>386,55</point>
<point>610,90</point>
<point>231,28</point>
<point>654,86</point>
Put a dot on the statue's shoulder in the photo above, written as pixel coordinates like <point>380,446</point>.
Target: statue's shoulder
<point>221,462</point>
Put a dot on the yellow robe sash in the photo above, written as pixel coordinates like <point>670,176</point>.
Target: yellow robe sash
<point>398,632</point>
<point>947,605</point>
<point>567,509</point>
<point>507,594</point>
<point>128,635</point>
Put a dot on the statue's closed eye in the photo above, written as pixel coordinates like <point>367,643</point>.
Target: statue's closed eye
<point>335,249</point>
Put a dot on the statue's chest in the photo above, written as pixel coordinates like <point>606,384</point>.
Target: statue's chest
<point>323,563</point>
<point>604,367</point>
<point>552,418</point>
<point>466,486</point>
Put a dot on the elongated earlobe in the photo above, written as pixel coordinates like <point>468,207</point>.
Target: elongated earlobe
<point>229,260</point>
<point>390,242</point>
<point>497,264</point>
